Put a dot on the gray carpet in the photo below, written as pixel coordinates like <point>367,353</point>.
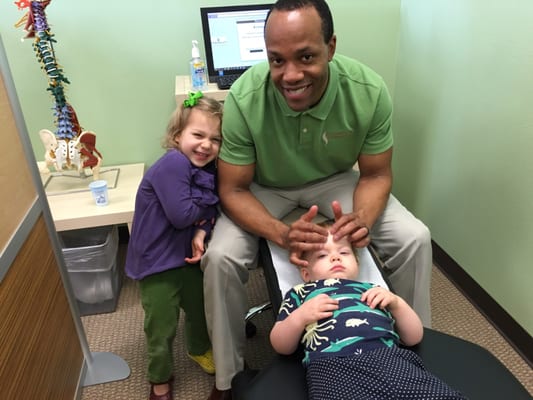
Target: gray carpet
<point>121,332</point>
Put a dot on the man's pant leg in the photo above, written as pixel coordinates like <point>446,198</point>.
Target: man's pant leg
<point>404,244</point>
<point>230,252</point>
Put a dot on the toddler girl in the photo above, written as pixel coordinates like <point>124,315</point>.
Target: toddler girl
<point>175,211</point>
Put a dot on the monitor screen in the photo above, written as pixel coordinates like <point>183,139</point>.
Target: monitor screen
<point>233,38</point>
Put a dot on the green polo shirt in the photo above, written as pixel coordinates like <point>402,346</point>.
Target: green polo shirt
<point>292,148</point>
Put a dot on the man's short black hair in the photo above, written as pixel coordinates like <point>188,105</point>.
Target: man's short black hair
<point>319,5</point>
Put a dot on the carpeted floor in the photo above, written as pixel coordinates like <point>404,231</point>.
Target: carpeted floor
<point>121,332</point>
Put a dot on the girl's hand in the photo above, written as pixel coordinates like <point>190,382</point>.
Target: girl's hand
<point>198,247</point>
<point>379,297</point>
<point>204,221</point>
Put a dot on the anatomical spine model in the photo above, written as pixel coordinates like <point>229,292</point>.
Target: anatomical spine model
<point>69,147</point>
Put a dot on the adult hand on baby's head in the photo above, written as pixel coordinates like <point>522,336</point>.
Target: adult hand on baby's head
<point>350,225</point>
<point>305,235</point>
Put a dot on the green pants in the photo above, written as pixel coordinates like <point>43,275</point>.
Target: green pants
<point>162,296</point>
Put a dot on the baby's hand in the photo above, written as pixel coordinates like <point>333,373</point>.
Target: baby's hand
<point>319,307</point>
<point>379,297</point>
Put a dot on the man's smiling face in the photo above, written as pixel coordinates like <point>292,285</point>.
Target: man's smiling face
<point>298,56</point>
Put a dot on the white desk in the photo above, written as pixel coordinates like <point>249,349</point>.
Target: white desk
<point>78,210</point>
<point>183,88</point>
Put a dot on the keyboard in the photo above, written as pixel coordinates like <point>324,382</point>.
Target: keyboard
<point>224,82</point>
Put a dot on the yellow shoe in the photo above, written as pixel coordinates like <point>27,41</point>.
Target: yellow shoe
<point>205,361</point>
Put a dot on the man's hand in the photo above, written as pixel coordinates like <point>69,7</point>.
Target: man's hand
<point>351,225</point>
<point>304,235</point>
<point>197,245</point>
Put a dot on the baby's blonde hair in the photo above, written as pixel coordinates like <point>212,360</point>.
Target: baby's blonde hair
<point>180,117</point>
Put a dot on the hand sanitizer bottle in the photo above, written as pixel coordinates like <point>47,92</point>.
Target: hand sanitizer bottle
<point>198,75</point>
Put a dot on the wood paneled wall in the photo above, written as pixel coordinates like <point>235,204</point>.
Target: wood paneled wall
<point>39,348</point>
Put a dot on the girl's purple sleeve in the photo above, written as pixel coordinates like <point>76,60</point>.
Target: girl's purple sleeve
<point>183,203</point>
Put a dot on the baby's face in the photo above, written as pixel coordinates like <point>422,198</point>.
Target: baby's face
<point>335,260</point>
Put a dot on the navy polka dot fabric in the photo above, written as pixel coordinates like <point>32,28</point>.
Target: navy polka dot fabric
<point>381,374</point>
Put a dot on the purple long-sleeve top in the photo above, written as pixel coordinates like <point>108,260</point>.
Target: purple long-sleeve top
<point>173,196</point>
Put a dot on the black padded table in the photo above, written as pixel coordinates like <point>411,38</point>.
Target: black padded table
<point>463,365</point>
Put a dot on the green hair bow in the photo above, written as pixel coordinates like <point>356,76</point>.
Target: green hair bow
<point>193,99</point>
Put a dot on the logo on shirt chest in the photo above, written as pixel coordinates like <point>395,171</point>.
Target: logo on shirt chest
<point>327,136</point>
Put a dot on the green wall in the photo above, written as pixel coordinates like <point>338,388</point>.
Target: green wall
<point>122,57</point>
<point>464,135</point>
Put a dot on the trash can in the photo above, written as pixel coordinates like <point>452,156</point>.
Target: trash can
<point>91,259</point>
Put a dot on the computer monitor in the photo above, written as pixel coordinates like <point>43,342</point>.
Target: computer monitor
<point>233,38</point>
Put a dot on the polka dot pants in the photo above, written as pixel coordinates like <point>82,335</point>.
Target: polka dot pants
<point>388,373</point>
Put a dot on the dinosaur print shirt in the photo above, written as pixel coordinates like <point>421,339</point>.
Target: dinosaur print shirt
<point>353,329</point>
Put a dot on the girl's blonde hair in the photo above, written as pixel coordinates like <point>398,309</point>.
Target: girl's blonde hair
<point>180,117</point>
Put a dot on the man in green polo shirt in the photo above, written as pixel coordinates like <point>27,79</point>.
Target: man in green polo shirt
<point>293,130</point>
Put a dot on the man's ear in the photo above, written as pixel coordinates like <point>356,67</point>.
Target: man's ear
<point>332,46</point>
